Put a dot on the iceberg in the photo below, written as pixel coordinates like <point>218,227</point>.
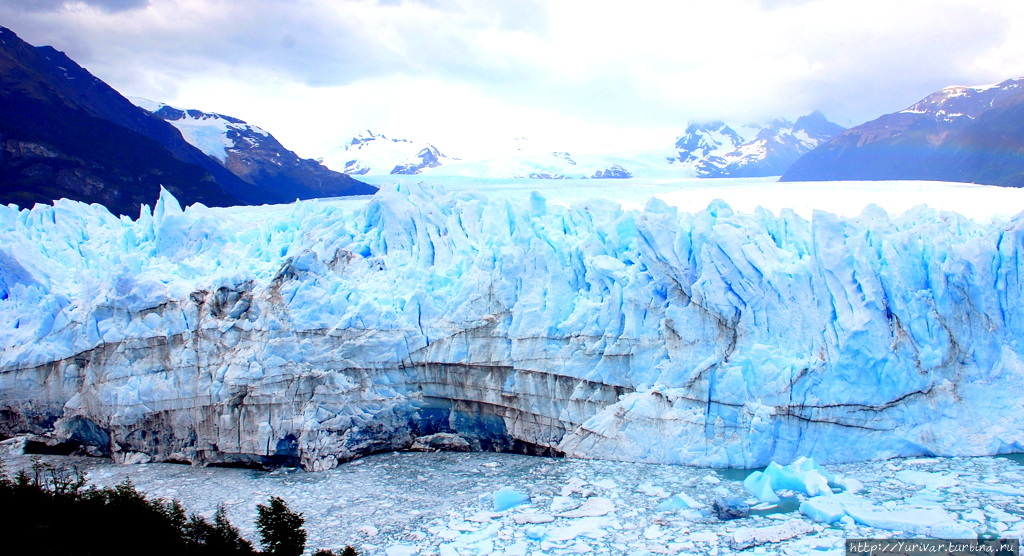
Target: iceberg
<point>803,475</point>
<point>507,497</point>
<point>313,333</point>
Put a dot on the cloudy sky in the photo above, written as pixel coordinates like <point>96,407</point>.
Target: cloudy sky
<point>575,75</point>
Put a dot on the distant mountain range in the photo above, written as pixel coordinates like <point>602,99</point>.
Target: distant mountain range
<point>66,134</point>
<point>551,166</point>
<point>964,134</point>
<point>710,150</point>
<point>715,150</point>
<point>372,153</point>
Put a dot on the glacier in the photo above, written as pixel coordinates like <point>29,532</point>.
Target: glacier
<point>313,333</point>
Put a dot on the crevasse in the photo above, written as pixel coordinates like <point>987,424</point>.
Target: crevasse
<point>311,334</point>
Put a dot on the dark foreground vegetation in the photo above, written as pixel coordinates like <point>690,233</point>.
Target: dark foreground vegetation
<point>50,510</point>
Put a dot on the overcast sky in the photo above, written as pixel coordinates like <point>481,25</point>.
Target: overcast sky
<point>575,75</point>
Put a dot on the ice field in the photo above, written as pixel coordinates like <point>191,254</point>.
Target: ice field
<point>744,194</point>
<point>444,503</point>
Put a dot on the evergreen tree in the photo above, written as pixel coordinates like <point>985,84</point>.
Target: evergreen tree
<point>280,528</point>
<point>224,538</point>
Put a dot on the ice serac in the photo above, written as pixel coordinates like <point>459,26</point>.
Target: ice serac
<point>310,334</point>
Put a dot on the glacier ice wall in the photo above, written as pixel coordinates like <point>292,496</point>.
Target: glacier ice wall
<point>311,334</point>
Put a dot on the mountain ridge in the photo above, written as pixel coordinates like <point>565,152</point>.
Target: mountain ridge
<point>716,150</point>
<point>64,133</point>
<point>374,153</point>
<point>274,173</point>
<point>712,150</point>
<point>959,133</point>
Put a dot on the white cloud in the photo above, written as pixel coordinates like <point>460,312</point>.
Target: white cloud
<point>571,70</point>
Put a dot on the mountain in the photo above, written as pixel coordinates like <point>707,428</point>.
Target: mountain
<point>547,165</point>
<point>659,335</point>
<point>370,153</point>
<point>274,173</point>
<point>65,133</point>
<point>707,150</point>
<point>716,150</point>
<point>965,134</point>
<point>702,141</point>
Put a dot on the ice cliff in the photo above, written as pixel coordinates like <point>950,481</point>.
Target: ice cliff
<point>311,333</point>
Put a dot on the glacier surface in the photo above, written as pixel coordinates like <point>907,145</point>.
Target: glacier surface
<point>317,332</point>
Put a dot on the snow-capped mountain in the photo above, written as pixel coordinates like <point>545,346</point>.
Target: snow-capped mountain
<point>708,150</point>
<point>702,141</point>
<point>716,150</point>
<point>64,133</point>
<point>372,153</point>
<point>969,134</point>
<point>210,132</point>
<point>274,173</point>
<point>549,165</point>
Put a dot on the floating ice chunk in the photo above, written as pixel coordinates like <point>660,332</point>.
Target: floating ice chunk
<point>678,502</point>
<point>607,484</point>
<point>402,550</point>
<point>761,487</point>
<point>564,503</point>
<point>997,489</point>
<point>704,537</point>
<point>536,533</point>
<point>462,526</point>
<point>849,484</point>
<point>746,537</point>
<point>653,531</point>
<point>652,490</point>
<point>535,518</point>
<point>803,475</point>
<point>517,549</point>
<point>591,527</point>
<point>368,530</point>
<point>928,480</point>
<point>447,534</point>
<point>826,509</point>
<point>478,536</point>
<point>973,515</point>
<point>593,507</point>
<point>575,484</point>
<point>508,497</point>
<point>933,522</point>
<point>1001,515</point>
